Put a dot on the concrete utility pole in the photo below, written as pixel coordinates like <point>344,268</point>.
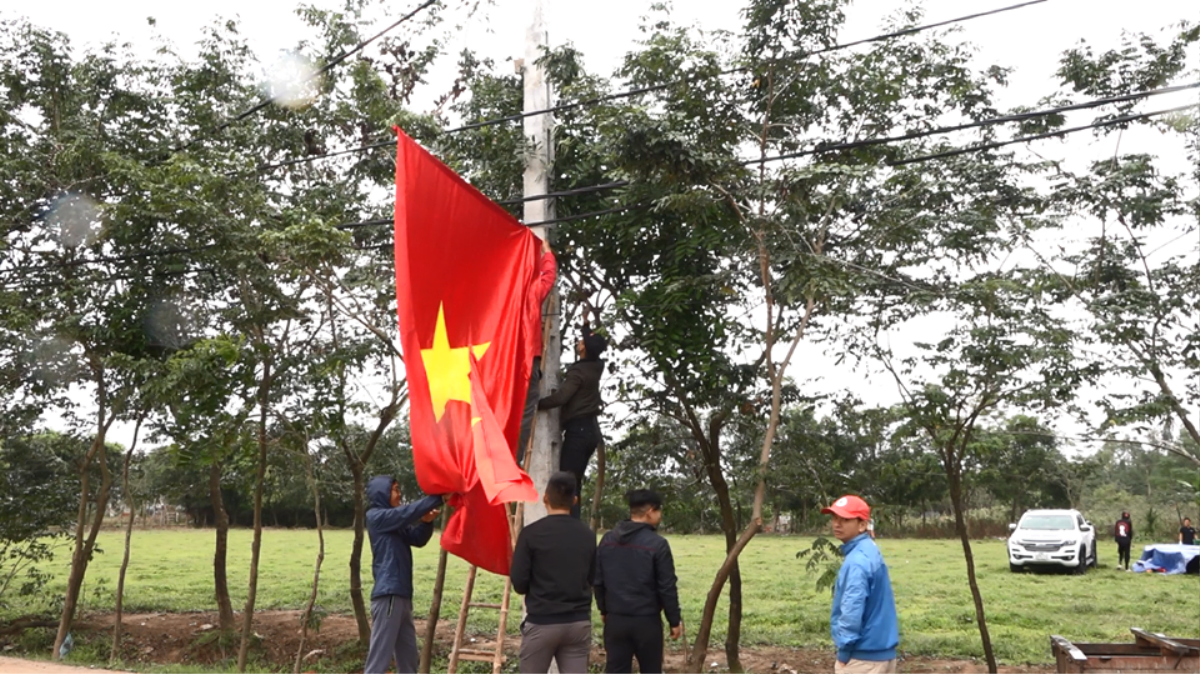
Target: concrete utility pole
<point>539,161</point>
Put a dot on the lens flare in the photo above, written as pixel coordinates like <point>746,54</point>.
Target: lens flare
<point>292,81</point>
<point>76,218</point>
<point>164,325</point>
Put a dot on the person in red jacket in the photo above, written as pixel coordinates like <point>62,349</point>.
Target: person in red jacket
<point>539,289</point>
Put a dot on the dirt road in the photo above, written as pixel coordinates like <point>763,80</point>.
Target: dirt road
<point>16,666</point>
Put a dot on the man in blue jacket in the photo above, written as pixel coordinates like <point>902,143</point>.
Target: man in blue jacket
<point>864,626</point>
<point>394,529</point>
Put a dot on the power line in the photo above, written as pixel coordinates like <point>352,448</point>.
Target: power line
<point>644,90</point>
<point>116,277</point>
<point>991,121</point>
<point>819,149</point>
<point>913,160</point>
<point>116,258</point>
<point>1049,134</point>
<point>827,148</point>
<point>566,193</point>
<point>1003,119</point>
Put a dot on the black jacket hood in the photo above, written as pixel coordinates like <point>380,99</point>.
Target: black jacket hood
<point>627,529</point>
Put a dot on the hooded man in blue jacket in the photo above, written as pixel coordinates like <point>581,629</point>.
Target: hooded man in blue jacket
<point>864,625</point>
<point>394,529</point>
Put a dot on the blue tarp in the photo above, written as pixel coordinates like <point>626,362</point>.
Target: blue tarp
<point>1167,558</point>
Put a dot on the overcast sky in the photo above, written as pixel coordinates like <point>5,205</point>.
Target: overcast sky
<point>1029,40</point>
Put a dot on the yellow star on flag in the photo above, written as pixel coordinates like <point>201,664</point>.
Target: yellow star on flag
<point>448,368</point>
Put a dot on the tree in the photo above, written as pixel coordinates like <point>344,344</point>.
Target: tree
<point>36,506</point>
<point>1018,465</point>
<point>1006,351</point>
<point>1138,277</point>
<point>804,246</point>
<point>202,391</point>
<point>85,131</point>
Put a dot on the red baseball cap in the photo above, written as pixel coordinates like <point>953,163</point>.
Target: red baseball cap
<point>850,507</point>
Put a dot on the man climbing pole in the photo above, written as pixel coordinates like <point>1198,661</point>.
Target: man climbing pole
<point>579,398</point>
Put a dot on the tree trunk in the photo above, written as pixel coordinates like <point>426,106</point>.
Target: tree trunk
<point>712,466</point>
<point>85,543</point>
<point>435,610</point>
<point>598,495</point>
<point>220,551</point>
<point>356,550</point>
<point>116,645</point>
<point>256,546</point>
<point>704,633</point>
<point>960,527</point>
<point>316,582</point>
<point>358,464</point>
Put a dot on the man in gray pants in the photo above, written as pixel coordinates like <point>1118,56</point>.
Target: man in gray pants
<point>552,566</point>
<point>394,529</point>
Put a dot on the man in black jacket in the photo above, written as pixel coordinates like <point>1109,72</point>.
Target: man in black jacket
<point>635,582</point>
<point>579,398</point>
<point>553,566</point>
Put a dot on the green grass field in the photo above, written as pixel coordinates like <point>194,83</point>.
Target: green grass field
<point>170,570</point>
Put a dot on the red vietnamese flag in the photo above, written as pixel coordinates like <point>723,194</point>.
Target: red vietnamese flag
<point>463,266</point>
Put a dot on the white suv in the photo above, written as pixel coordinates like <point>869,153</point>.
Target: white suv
<point>1052,538</point>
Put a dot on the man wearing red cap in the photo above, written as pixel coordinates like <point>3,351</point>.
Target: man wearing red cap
<point>864,626</point>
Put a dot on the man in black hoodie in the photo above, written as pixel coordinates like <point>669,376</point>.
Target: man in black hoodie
<point>579,398</point>
<point>635,582</point>
<point>553,566</point>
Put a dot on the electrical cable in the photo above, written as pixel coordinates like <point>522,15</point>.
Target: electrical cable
<point>117,277</point>
<point>644,90</point>
<point>903,162</point>
<point>1049,134</point>
<point>1003,119</point>
<point>117,258</point>
<point>812,151</point>
<point>566,193</point>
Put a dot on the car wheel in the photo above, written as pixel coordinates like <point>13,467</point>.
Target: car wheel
<point>1081,566</point>
<point>1015,568</point>
<point>1095,556</point>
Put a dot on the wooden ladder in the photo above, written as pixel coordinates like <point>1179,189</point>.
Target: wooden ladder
<point>516,517</point>
<point>460,651</point>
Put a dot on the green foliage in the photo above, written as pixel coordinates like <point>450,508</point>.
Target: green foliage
<point>824,558</point>
<point>39,498</point>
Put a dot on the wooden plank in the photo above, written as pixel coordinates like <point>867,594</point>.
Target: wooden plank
<point>479,656</point>
<point>1116,649</point>
<point>1067,658</point>
<point>1060,644</point>
<point>1161,641</point>
<point>1142,663</point>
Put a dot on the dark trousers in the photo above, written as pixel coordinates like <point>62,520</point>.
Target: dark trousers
<point>1123,545</point>
<point>568,644</point>
<point>532,395</point>
<point>629,636</point>
<point>393,635</point>
<point>581,436</point>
